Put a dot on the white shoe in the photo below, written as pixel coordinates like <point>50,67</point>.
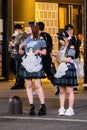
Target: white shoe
<point>69,112</point>
<point>61,112</point>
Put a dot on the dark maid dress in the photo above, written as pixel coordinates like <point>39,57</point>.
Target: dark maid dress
<point>69,77</point>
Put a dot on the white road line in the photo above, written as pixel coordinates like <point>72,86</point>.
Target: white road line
<point>45,119</point>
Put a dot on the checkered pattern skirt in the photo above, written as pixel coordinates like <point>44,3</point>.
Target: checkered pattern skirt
<point>28,75</point>
<point>70,77</point>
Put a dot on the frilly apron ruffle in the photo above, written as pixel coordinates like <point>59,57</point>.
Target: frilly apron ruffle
<point>61,70</point>
<point>31,62</point>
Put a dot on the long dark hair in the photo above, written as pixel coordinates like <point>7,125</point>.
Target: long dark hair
<point>68,47</point>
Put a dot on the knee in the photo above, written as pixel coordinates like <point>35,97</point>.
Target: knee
<point>28,85</point>
<point>62,93</point>
<point>38,85</point>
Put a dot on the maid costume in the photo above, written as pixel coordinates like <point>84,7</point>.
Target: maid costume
<point>31,65</point>
<point>66,72</point>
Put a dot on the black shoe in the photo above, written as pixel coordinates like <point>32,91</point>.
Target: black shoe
<point>42,110</point>
<point>21,87</point>
<point>32,110</point>
<point>56,90</point>
<point>15,87</point>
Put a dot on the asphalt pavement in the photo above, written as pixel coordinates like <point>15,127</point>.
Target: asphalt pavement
<point>51,120</point>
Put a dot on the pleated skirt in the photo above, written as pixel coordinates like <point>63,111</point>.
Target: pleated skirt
<point>31,75</point>
<point>70,77</point>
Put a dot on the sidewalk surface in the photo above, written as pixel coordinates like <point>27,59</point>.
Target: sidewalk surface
<point>50,121</point>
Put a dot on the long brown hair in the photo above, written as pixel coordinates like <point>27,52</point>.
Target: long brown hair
<point>35,29</point>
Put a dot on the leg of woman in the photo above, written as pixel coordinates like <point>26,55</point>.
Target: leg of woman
<point>28,84</point>
<point>62,101</point>
<point>30,96</point>
<point>71,96</point>
<point>70,111</point>
<point>40,90</point>
<point>42,110</point>
<point>62,96</point>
